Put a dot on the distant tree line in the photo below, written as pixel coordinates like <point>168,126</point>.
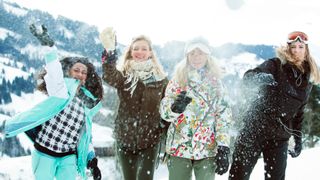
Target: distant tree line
<point>17,86</point>
<point>311,123</point>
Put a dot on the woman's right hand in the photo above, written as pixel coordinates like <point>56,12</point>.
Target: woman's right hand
<point>180,103</point>
<point>41,33</point>
<point>109,57</point>
<point>108,39</point>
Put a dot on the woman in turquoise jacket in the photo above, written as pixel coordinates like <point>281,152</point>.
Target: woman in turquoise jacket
<point>60,126</point>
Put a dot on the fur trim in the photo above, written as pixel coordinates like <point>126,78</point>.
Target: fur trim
<point>282,54</point>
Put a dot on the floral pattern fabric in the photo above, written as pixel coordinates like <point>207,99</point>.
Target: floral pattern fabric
<point>195,133</point>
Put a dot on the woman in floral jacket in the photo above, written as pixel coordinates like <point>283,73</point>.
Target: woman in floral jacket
<point>200,117</point>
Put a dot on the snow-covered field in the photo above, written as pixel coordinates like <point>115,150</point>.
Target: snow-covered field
<point>306,166</point>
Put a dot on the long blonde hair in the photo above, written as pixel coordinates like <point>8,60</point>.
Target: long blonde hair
<point>183,67</point>
<point>284,53</point>
<point>125,65</point>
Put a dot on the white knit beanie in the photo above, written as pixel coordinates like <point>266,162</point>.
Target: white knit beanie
<point>198,42</point>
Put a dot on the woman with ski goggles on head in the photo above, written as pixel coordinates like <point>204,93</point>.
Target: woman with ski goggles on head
<point>297,36</point>
<point>285,83</point>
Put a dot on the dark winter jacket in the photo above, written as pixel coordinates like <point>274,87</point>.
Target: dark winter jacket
<point>137,124</point>
<point>279,108</point>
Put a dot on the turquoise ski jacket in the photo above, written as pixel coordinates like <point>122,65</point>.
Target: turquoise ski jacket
<point>29,120</point>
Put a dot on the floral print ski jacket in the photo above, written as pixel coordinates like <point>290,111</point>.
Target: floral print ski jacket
<point>195,133</point>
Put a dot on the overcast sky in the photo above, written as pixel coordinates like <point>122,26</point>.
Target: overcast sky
<point>221,21</point>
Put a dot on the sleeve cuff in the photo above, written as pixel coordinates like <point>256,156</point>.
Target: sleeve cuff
<point>52,55</point>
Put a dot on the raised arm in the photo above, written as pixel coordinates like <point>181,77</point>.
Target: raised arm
<point>109,58</point>
<point>55,84</point>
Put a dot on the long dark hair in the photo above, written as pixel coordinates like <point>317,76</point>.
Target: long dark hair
<point>93,82</point>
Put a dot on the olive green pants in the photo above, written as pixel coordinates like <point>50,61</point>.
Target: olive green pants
<point>138,165</point>
<point>181,168</point>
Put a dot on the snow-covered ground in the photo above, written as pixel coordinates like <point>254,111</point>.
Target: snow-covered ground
<point>303,167</point>
<point>306,166</point>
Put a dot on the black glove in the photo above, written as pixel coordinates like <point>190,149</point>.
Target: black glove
<point>222,160</point>
<point>42,35</point>
<point>297,147</point>
<point>109,57</point>
<point>181,102</point>
<point>93,166</point>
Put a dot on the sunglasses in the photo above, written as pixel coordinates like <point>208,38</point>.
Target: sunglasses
<point>297,36</point>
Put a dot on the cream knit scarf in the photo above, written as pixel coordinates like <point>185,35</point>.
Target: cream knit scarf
<point>142,70</point>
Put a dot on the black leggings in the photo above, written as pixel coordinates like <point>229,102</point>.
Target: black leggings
<point>246,155</point>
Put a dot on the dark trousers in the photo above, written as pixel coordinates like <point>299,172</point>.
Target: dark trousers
<point>138,165</point>
<point>246,155</point>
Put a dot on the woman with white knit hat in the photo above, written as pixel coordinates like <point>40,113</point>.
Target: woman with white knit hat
<point>194,103</point>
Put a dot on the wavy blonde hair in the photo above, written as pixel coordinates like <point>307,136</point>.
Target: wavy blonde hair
<point>183,67</point>
<point>124,66</point>
<point>284,53</point>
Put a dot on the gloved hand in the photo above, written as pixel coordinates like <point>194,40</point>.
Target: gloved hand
<point>266,79</point>
<point>93,166</point>
<point>42,35</point>
<point>297,147</point>
<point>109,57</point>
<point>254,78</point>
<point>181,102</point>
<point>222,160</point>
<point>108,38</point>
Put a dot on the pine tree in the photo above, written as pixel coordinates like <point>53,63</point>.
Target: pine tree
<point>311,123</point>
<point>5,96</point>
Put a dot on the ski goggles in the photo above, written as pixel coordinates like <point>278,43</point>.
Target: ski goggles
<point>297,36</point>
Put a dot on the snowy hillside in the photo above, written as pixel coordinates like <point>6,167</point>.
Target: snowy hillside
<point>21,57</point>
